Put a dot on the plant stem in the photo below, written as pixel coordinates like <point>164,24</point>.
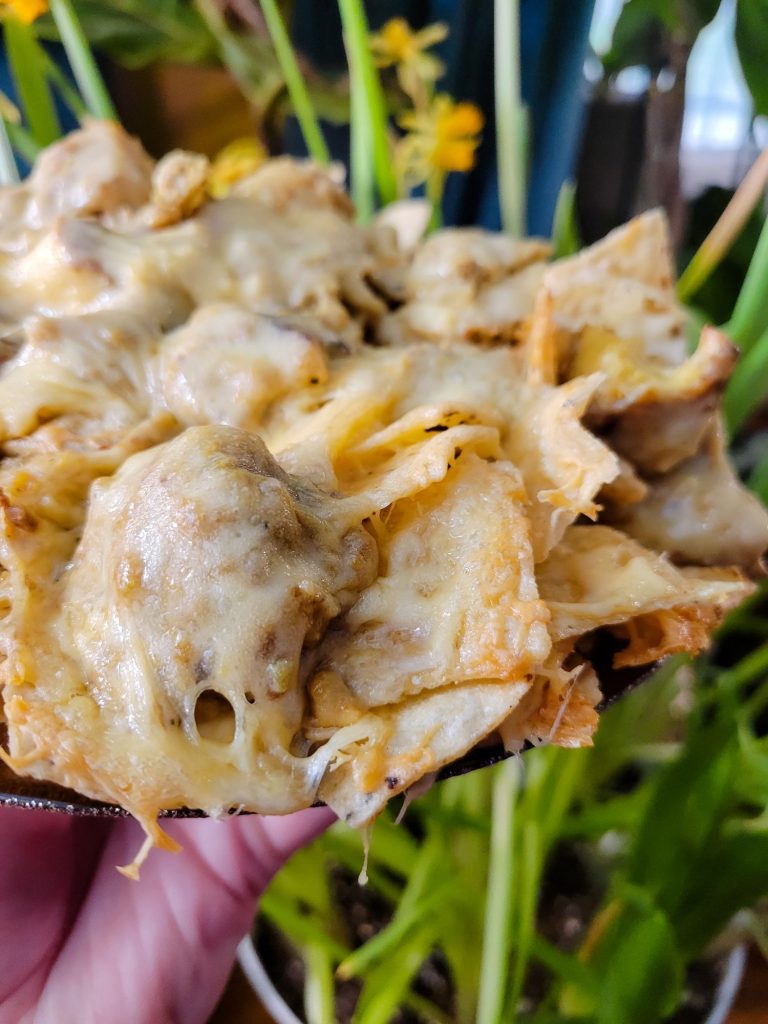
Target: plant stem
<point>722,236</point>
<point>9,172</point>
<point>81,59</point>
<point>501,869</point>
<point>318,986</point>
<point>294,81</point>
<point>510,116</point>
<point>750,314</point>
<point>370,130</point>
<point>360,167</point>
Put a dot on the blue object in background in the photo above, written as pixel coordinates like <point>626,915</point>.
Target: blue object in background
<point>553,42</point>
<point>553,39</point>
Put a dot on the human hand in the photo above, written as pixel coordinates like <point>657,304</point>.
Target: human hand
<point>81,944</point>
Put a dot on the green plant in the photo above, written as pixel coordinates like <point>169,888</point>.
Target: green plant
<point>678,850</point>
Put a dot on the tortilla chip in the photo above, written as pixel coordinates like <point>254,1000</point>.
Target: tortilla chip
<point>623,284</point>
<point>701,513</point>
<point>411,739</point>
<point>563,465</point>
<point>597,576</point>
<point>632,377</point>
<point>657,437</point>
<point>468,285</point>
<point>456,597</point>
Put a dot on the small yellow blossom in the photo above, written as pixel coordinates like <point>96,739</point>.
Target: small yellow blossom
<point>26,10</point>
<point>443,138</point>
<point>236,160</point>
<point>397,45</point>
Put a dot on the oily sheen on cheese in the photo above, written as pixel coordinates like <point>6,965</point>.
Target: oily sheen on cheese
<point>295,510</point>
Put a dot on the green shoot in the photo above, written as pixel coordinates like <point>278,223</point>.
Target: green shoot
<point>319,1001</point>
<point>369,126</point>
<point>81,60</point>
<point>388,983</point>
<point>389,939</point>
<point>27,60</point>
<point>511,117</point>
<point>303,929</point>
<point>362,185</point>
<point>294,81</point>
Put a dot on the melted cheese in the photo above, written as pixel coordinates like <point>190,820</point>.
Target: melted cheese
<point>250,559</point>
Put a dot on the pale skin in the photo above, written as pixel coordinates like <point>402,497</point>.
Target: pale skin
<point>79,942</point>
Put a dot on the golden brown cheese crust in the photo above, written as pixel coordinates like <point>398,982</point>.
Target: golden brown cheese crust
<point>250,559</point>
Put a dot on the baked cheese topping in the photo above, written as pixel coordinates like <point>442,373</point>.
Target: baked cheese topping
<point>294,509</point>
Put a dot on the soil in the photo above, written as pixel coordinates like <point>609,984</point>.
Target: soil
<point>570,895</point>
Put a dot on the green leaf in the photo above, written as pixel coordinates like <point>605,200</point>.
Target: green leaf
<point>750,315</point>
<point>28,67</point>
<point>637,964</point>
<point>689,799</point>
<point>752,46</point>
<point>731,874</point>
<point>748,386</point>
<point>637,39</point>
<point>758,480</point>
<point>385,987</point>
<point>303,929</point>
<point>389,940</point>
<point>569,968</point>
<point>646,29</point>
<point>136,34</point>
<point>618,813</point>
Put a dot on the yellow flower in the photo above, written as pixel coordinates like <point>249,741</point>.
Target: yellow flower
<point>235,161</point>
<point>443,138</point>
<point>397,45</point>
<point>26,10</point>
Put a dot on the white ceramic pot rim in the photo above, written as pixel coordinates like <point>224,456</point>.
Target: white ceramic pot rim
<point>274,1003</point>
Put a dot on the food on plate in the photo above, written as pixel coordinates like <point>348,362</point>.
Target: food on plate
<point>295,509</point>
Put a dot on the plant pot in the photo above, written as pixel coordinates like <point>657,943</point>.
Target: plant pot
<point>730,971</point>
